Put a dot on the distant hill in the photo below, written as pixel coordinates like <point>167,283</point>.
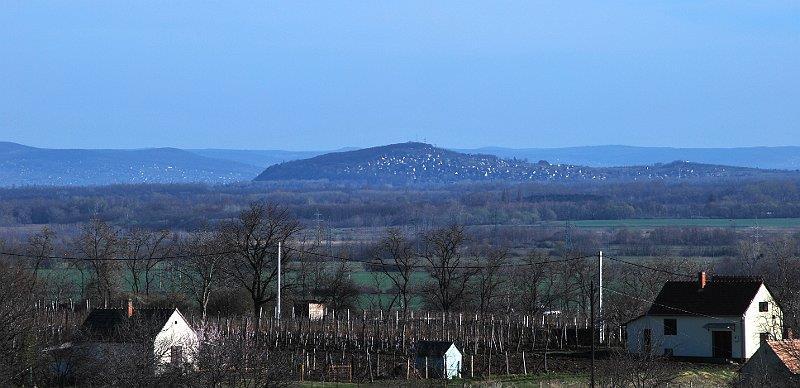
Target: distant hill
<point>261,158</point>
<point>424,163</point>
<point>405,162</point>
<point>785,158</point>
<point>23,165</point>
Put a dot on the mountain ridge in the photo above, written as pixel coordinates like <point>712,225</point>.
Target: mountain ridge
<point>22,165</point>
<point>420,162</point>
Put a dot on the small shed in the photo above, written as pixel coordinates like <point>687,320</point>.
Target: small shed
<point>312,309</point>
<point>775,363</point>
<point>438,359</point>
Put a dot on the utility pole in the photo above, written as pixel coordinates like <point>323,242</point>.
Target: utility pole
<point>278,308</point>
<point>600,296</point>
<point>591,309</point>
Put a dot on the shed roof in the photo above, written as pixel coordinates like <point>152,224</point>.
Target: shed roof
<point>433,348</point>
<point>722,296</point>
<point>788,351</point>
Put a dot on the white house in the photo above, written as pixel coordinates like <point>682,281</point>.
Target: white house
<point>726,317</point>
<point>438,359</point>
<point>164,332</point>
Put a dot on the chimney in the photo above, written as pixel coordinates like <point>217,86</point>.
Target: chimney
<point>130,308</point>
<point>788,333</point>
<point>702,279</point>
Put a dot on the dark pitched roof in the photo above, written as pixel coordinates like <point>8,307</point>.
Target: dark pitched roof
<point>432,348</point>
<point>115,325</point>
<point>105,322</point>
<point>722,296</point>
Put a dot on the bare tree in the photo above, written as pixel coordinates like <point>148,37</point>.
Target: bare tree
<point>443,251</point>
<point>202,270</point>
<point>17,320</point>
<point>143,251</point>
<point>39,248</point>
<point>395,257</point>
<point>644,370</point>
<point>338,289</point>
<point>98,245</point>
<point>490,277</point>
<point>251,244</point>
<point>533,284</point>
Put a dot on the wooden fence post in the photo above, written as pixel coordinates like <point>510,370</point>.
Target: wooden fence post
<point>472,366</point>
<point>524,366</point>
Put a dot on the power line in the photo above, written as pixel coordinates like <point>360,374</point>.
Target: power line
<point>345,259</point>
<point>162,258</point>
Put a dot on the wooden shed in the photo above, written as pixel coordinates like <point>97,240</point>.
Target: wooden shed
<point>312,309</point>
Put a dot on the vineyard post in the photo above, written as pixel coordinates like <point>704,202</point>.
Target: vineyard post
<point>591,299</point>
<point>524,366</point>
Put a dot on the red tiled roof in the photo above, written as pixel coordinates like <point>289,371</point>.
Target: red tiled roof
<point>722,296</point>
<point>788,352</point>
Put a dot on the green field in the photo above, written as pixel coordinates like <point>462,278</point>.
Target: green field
<point>688,222</point>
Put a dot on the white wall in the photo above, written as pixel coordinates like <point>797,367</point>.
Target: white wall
<point>176,332</point>
<point>762,322</point>
<point>453,360</point>
<point>692,339</point>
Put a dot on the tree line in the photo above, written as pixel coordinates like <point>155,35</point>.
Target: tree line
<point>190,206</point>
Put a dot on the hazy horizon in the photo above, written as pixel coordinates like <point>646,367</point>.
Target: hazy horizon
<point>322,76</point>
<point>344,148</point>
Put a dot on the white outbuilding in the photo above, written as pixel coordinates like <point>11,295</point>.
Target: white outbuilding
<point>725,317</point>
<point>438,359</point>
<point>163,331</point>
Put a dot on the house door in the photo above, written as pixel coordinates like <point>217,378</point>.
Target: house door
<point>722,344</point>
<point>646,341</point>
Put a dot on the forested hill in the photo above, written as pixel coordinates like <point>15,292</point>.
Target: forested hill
<point>24,166</point>
<point>424,163</point>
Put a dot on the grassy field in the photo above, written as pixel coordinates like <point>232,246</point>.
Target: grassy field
<point>693,375</point>
<point>778,223</point>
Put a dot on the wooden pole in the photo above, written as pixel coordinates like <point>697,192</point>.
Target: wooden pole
<point>524,366</point>
<point>591,304</point>
<point>278,308</point>
<point>472,366</point>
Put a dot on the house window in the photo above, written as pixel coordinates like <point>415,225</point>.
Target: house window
<point>764,337</point>
<point>763,307</point>
<point>176,355</point>
<point>670,326</point>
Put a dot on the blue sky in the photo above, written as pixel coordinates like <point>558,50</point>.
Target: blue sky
<point>323,75</point>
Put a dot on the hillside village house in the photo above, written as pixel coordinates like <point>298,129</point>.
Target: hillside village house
<point>725,317</point>
<point>123,333</point>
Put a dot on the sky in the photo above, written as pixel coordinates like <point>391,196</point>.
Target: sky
<point>328,74</point>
